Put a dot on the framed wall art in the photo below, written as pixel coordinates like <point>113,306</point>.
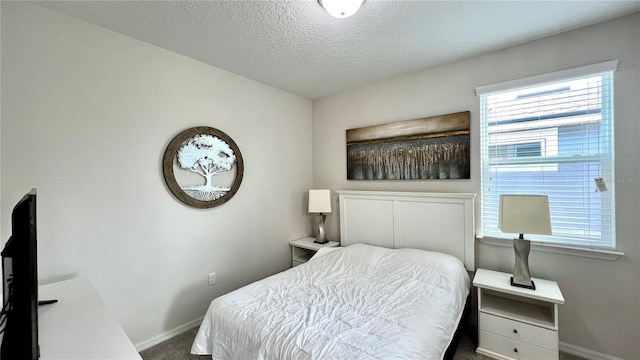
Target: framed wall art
<point>434,147</point>
<point>203,167</point>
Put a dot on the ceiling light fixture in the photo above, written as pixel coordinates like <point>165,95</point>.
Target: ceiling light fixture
<point>341,8</point>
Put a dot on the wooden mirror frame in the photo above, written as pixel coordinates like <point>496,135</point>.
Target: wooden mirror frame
<point>170,155</point>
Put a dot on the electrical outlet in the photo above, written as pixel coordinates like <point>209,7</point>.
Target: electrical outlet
<point>212,278</point>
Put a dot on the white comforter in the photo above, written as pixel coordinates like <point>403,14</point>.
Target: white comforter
<point>361,302</point>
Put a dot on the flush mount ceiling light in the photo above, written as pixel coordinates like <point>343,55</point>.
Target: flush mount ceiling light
<point>341,8</point>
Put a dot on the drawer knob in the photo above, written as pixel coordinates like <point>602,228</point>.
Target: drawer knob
<point>515,350</point>
<point>515,331</point>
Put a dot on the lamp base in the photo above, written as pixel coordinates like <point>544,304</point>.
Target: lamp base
<point>532,286</point>
<point>521,275</point>
<point>321,236</point>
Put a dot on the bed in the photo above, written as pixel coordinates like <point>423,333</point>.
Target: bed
<point>396,289</point>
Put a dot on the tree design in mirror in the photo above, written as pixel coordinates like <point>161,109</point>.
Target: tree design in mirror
<point>203,167</point>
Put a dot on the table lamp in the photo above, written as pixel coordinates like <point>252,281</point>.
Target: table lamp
<point>320,203</point>
<point>524,214</point>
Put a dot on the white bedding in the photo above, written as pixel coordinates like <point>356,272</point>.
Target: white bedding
<point>361,302</point>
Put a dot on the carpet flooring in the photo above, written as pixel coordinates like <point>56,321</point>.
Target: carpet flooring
<point>177,348</point>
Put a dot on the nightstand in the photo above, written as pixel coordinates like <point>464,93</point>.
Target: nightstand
<point>517,323</point>
<point>303,249</point>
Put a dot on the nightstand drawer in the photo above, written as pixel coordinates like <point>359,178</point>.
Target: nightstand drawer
<point>514,348</point>
<point>546,338</point>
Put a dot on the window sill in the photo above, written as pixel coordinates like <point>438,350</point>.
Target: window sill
<point>558,249</point>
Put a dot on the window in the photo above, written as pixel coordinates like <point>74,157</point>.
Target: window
<point>552,134</point>
<point>523,143</point>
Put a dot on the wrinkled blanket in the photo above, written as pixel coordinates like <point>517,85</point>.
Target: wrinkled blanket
<point>360,302</point>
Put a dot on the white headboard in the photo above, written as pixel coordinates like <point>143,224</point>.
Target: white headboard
<point>430,221</point>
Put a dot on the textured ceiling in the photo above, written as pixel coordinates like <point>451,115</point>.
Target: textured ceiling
<point>297,47</point>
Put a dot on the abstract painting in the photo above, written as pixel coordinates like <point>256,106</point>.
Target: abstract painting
<point>435,147</point>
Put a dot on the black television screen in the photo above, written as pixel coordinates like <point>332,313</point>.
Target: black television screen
<point>20,284</point>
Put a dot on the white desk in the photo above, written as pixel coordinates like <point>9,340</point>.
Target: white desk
<point>79,325</point>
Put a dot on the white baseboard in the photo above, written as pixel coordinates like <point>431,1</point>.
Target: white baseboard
<point>168,334</point>
<point>585,353</point>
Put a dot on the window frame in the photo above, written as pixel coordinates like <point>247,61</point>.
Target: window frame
<point>604,252</point>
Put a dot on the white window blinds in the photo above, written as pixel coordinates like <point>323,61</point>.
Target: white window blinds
<point>552,135</point>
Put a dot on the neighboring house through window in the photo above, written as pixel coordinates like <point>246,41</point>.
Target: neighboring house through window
<point>552,134</point>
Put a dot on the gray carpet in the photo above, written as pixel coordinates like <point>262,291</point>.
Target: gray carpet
<point>178,348</point>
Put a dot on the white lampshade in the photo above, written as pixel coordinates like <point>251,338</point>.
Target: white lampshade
<point>341,8</point>
<point>320,201</point>
<point>525,214</point>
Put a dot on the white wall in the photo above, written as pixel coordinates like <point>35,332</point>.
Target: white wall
<point>86,116</point>
<point>601,312</point>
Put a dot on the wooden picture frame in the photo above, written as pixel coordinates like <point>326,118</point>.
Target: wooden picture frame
<point>208,152</point>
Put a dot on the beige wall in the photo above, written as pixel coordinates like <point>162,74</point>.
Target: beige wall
<point>86,116</point>
<point>601,312</point>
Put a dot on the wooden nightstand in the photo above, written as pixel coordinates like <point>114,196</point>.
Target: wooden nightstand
<point>517,323</point>
<point>303,249</point>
